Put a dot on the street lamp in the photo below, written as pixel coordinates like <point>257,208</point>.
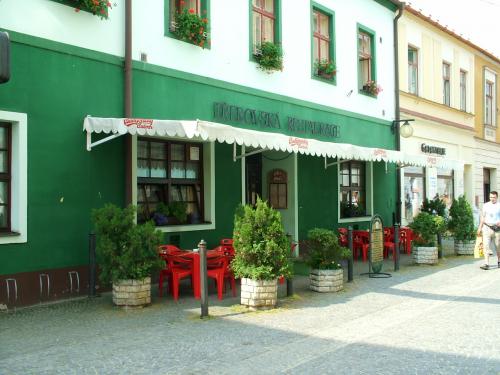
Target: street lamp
<point>405,130</point>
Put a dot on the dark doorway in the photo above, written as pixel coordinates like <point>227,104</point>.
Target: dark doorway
<point>253,167</point>
<point>486,184</point>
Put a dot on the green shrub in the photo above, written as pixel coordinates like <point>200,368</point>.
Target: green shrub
<point>269,57</point>
<point>434,206</point>
<point>191,28</point>
<point>322,250</point>
<point>461,223</point>
<point>426,227</point>
<point>261,247</point>
<point>125,250</point>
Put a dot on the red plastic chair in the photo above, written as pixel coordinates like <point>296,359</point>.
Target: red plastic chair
<point>361,243</point>
<point>293,245</point>
<point>228,274</point>
<point>163,252</point>
<point>180,268</point>
<point>405,238</point>
<point>216,269</point>
<point>389,245</point>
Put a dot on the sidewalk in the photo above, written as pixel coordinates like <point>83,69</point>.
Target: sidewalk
<point>442,319</point>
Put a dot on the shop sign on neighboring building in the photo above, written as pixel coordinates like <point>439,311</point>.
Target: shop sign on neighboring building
<point>428,149</point>
<point>225,113</point>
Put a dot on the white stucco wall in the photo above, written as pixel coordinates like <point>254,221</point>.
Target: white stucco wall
<point>487,155</point>
<point>228,58</point>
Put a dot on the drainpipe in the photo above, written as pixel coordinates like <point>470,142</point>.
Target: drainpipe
<point>128,99</point>
<point>396,115</point>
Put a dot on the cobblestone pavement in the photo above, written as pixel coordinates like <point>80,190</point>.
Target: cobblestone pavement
<point>442,319</point>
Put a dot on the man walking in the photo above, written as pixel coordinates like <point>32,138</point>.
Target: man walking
<point>490,226</point>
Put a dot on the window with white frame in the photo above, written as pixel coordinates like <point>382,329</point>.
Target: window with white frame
<point>463,90</point>
<point>412,70</point>
<point>13,177</point>
<point>488,103</point>
<point>446,84</point>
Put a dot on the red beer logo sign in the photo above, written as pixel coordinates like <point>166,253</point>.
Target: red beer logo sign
<point>299,142</point>
<point>380,152</point>
<point>431,160</point>
<point>140,123</point>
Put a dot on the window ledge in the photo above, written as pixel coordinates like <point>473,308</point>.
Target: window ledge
<point>186,228</point>
<point>355,219</point>
<point>363,92</point>
<point>9,234</point>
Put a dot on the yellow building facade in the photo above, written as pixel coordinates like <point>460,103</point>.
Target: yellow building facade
<point>437,77</point>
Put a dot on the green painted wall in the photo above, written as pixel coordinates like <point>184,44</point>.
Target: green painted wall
<point>57,85</point>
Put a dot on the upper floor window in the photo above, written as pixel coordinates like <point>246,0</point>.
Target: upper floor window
<point>412,71</point>
<point>5,176</point>
<point>446,84</point>
<point>264,22</point>
<point>366,62</point>
<point>169,182</point>
<point>188,20</point>
<point>488,103</point>
<point>463,90</point>
<point>323,49</point>
<point>352,189</point>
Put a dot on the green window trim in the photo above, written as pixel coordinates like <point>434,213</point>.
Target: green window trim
<point>205,10</point>
<point>373,67</point>
<point>277,27</point>
<point>331,15</point>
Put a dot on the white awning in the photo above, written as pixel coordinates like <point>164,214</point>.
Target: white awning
<point>209,131</point>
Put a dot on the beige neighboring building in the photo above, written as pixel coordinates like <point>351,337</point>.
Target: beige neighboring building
<point>487,137</point>
<point>437,90</point>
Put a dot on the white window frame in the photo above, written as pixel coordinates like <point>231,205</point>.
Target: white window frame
<point>208,186</point>
<point>369,195</point>
<point>463,89</point>
<point>413,66</point>
<point>490,76</point>
<point>19,182</point>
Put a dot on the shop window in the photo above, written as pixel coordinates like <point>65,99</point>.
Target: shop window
<point>463,90</point>
<point>352,191</point>
<point>445,186</point>
<point>488,103</point>
<point>278,188</point>
<point>264,23</point>
<point>412,70</point>
<point>170,188</point>
<point>323,43</point>
<point>13,177</point>
<point>366,57</point>
<point>446,84</point>
<point>414,190</point>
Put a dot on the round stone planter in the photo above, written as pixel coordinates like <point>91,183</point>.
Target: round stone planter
<point>132,293</point>
<point>425,254</point>
<point>259,294</point>
<point>325,281</point>
<point>464,247</point>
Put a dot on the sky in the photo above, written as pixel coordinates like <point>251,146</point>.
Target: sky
<point>476,20</point>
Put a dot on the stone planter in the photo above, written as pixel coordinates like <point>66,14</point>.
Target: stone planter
<point>425,254</point>
<point>464,247</point>
<point>326,280</point>
<point>132,293</point>
<point>259,294</point>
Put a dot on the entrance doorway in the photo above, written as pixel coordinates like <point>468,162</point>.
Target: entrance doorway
<point>486,184</point>
<point>253,180</point>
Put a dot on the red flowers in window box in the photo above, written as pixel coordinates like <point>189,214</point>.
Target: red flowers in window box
<point>98,8</point>
<point>190,27</point>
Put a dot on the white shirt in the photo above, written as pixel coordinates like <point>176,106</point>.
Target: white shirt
<point>491,213</point>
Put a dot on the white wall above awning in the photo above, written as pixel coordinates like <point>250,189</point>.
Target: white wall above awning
<point>209,131</point>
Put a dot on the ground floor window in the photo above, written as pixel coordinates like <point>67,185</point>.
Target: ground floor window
<point>414,189</point>
<point>5,176</point>
<point>352,191</point>
<point>169,182</point>
<point>445,185</point>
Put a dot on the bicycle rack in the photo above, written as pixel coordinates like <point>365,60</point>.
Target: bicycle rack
<point>8,282</point>
<point>77,276</point>
<point>44,276</point>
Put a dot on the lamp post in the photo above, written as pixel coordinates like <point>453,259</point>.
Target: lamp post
<point>405,130</point>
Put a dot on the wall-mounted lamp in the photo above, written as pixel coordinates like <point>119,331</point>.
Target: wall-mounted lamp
<point>405,130</point>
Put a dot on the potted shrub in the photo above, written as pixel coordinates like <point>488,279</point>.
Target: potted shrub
<point>269,56</point>
<point>426,227</point>
<point>261,254</point>
<point>372,88</point>
<point>190,27</point>
<point>325,69</point>
<point>461,225</point>
<point>98,8</point>
<point>127,254</point>
<point>434,206</point>
<point>323,254</point>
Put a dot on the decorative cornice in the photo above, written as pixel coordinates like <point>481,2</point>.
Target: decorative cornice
<point>437,119</point>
